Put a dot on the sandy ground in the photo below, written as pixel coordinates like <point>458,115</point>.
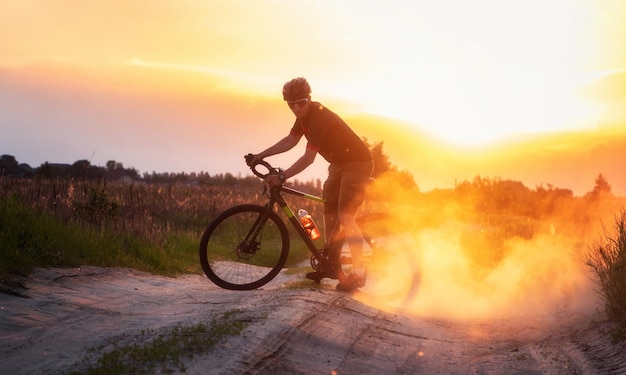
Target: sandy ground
<point>63,313</point>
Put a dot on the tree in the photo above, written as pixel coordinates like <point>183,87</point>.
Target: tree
<point>601,189</point>
<point>602,185</point>
<point>113,165</point>
<point>8,165</point>
<point>381,160</point>
<point>45,170</point>
<point>382,166</point>
<point>80,168</point>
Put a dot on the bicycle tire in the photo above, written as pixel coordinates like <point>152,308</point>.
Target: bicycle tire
<point>393,258</point>
<point>230,262</point>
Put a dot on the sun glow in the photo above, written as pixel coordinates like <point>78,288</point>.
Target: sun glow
<point>484,71</point>
<point>467,72</point>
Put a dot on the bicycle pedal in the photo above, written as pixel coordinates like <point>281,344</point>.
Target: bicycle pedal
<point>315,276</point>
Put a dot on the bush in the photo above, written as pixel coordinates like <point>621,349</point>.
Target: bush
<point>31,237</point>
<point>608,261</point>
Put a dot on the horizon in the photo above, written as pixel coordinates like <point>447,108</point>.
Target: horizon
<point>619,188</point>
<point>119,122</point>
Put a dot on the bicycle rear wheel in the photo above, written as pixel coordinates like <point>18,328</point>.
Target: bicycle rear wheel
<point>392,256</point>
<point>244,247</point>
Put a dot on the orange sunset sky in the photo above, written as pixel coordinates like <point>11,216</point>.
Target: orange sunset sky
<point>455,88</point>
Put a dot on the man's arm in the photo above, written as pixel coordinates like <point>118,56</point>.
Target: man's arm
<point>285,144</point>
<point>297,167</point>
<point>301,164</point>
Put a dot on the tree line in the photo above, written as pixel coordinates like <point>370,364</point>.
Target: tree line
<point>508,190</point>
<point>115,171</point>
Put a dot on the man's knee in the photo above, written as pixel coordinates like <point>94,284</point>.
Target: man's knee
<point>347,220</point>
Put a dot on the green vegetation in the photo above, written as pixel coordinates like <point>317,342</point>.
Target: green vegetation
<point>155,224</point>
<point>159,351</point>
<point>31,236</point>
<point>150,227</point>
<point>608,261</point>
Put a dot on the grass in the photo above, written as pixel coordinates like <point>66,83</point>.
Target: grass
<point>159,351</point>
<point>149,227</point>
<point>156,227</point>
<point>607,259</point>
<point>32,237</point>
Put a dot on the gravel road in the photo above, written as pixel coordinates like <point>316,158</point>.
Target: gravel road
<point>63,313</point>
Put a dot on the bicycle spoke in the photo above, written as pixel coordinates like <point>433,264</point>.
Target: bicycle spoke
<point>236,254</point>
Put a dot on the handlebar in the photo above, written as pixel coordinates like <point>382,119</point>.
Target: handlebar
<point>263,163</point>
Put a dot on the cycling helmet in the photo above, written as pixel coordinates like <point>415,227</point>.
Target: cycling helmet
<point>297,88</point>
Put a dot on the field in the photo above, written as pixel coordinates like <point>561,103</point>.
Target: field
<point>151,227</point>
<point>489,228</point>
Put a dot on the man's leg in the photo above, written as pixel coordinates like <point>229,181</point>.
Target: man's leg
<point>331,227</point>
<point>355,241</point>
<point>331,211</point>
<point>351,195</point>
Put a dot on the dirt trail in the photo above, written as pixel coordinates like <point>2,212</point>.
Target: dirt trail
<point>289,331</point>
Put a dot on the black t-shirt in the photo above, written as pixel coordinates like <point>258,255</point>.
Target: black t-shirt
<point>329,135</point>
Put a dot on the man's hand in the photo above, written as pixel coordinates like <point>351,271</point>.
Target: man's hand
<point>272,181</point>
<point>252,159</point>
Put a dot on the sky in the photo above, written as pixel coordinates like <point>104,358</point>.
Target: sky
<point>466,72</point>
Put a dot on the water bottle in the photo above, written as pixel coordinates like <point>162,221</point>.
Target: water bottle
<point>308,224</point>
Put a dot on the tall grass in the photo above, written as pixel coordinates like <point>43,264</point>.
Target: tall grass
<point>156,227</point>
<point>32,237</point>
<point>607,259</point>
<point>151,227</point>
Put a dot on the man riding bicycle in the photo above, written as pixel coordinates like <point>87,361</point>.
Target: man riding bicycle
<point>350,169</point>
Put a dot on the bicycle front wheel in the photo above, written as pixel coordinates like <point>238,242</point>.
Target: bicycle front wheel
<point>393,258</point>
<point>244,247</point>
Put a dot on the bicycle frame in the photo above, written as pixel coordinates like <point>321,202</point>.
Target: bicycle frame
<point>275,197</point>
<point>232,240</point>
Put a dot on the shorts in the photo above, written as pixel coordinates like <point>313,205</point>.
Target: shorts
<point>344,190</point>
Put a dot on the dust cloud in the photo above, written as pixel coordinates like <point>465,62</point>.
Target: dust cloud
<point>477,268</point>
<point>536,276</point>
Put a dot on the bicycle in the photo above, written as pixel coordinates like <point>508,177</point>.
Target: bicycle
<point>247,245</point>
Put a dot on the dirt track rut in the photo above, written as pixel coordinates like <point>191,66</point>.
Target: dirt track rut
<point>289,331</point>
<point>322,332</point>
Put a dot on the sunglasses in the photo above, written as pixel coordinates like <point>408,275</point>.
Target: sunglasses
<point>298,103</point>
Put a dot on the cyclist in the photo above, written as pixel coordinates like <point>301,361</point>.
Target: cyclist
<point>350,169</point>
